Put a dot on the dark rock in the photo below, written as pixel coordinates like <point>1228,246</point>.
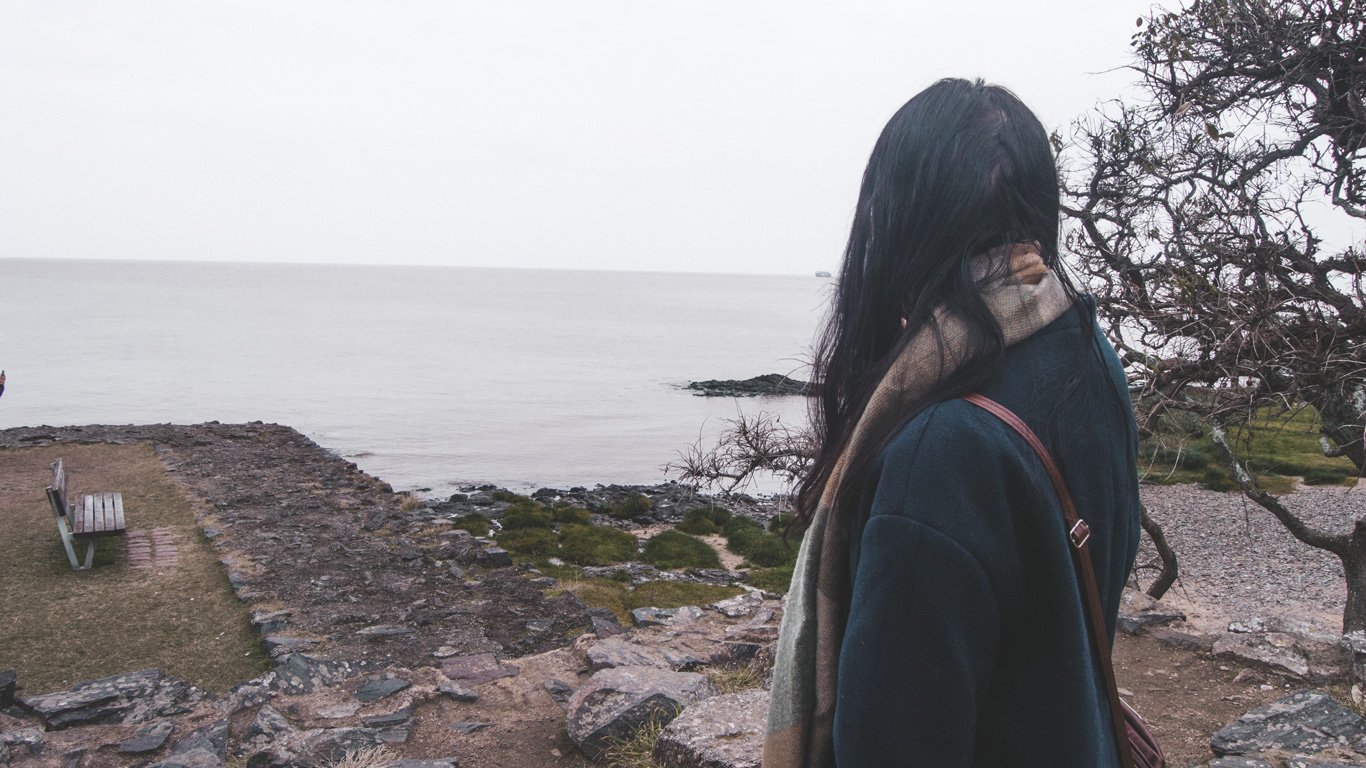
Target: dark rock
<point>395,735</point>
<point>603,623</point>
<point>279,645</point>
<point>330,745</point>
<point>31,740</point>
<point>8,685</point>
<point>456,691</point>
<point>374,690</point>
<point>618,652</point>
<point>205,747</point>
<point>559,690</point>
<point>495,557</point>
<point>1305,722</point>
<point>1138,611</point>
<point>270,622</point>
<point>468,726</point>
<point>767,385</point>
<point>728,732</point>
<point>148,738</point>
<point>397,717</point>
<point>742,604</point>
<point>268,727</point>
<point>1185,641</point>
<point>456,572</point>
<point>137,697</point>
<point>477,669</point>
<point>614,703</point>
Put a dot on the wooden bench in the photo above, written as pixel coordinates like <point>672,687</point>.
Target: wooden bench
<point>98,515</point>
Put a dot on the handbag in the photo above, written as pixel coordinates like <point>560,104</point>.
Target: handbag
<point>1134,740</point>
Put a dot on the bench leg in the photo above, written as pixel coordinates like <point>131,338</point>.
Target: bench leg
<point>89,554</point>
<point>71,551</point>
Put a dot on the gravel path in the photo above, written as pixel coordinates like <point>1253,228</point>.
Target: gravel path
<point>1237,561</point>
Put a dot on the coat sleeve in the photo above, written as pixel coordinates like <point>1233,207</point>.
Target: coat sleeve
<point>921,642</point>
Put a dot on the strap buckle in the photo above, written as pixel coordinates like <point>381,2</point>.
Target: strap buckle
<point>1080,534</point>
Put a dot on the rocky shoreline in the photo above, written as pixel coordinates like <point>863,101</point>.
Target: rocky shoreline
<point>390,628</point>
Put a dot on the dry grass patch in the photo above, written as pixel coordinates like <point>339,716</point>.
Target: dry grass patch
<point>64,626</point>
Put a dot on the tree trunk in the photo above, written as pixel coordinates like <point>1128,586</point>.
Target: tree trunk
<point>1167,577</point>
<point>1354,567</point>
<point>1343,421</point>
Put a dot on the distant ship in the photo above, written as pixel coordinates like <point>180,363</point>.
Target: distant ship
<point>822,273</point>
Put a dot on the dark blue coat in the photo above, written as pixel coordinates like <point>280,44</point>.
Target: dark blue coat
<point>966,643</point>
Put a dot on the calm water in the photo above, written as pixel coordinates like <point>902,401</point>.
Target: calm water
<point>426,376</point>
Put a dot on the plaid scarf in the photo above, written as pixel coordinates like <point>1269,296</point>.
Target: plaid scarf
<point>801,713</point>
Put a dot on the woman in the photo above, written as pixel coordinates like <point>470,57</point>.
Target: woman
<point>934,617</point>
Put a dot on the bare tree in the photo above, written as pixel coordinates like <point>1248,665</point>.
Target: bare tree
<point>751,445</point>
<point>1203,209</point>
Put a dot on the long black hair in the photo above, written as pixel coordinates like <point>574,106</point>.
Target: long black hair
<point>961,169</point>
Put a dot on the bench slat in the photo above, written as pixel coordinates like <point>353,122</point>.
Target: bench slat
<point>118,511</point>
<point>86,518</point>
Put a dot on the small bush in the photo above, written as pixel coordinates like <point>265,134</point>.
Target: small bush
<point>632,506</point>
<point>737,524</point>
<point>531,542</point>
<point>529,515</point>
<point>673,549</point>
<point>596,545</point>
<point>704,520</point>
<point>475,523</point>
<point>742,537</point>
<point>770,551</point>
<point>779,523</point>
<point>775,580</point>
<point>571,515</point>
<point>509,496</point>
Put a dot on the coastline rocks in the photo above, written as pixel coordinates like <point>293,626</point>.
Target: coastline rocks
<point>132,698</point>
<point>613,703</point>
<point>767,385</point>
<point>205,747</point>
<point>726,733</point>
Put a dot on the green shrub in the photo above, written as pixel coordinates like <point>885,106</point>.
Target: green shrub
<point>774,580</point>
<point>779,523</point>
<point>475,523</point>
<point>531,542</point>
<point>737,524</point>
<point>515,498</point>
<point>770,551</point>
<point>596,545</point>
<point>703,521</point>
<point>635,505</point>
<point>674,549</point>
<point>742,539</point>
<point>571,515</point>
<point>528,515</point>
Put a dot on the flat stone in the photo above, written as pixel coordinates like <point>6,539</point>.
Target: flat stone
<point>302,673</point>
<point>397,717</point>
<point>741,605</point>
<point>338,711</point>
<point>1305,722</point>
<point>726,732</point>
<point>205,747</point>
<point>278,645</point>
<point>1186,641</point>
<point>495,557</point>
<point>1273,650</point>
<point>374,690</point>
<point>477,669</point>
<point>456,691</point>
<point>614,703</point>
<point>270,622</point>
<point>665,617</point>
<point>31,740</point>
<point>137,697</point>
<point>618,652</point>
<point>148,738</point>
<point>395,735</point>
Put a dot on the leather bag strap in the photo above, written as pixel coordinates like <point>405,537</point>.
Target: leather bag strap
<point>1078,535</point>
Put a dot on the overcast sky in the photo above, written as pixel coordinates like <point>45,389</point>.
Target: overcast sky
<point>712,135</point>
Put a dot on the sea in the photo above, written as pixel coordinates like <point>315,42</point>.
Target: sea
<point>430,378</point>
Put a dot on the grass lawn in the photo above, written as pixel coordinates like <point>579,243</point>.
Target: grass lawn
<point>1278,448</point>
<point>62,626</point>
